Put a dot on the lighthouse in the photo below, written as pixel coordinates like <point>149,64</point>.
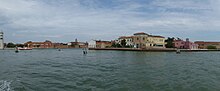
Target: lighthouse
<point>1,41</point>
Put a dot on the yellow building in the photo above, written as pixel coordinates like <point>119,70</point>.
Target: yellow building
<point>144,40</point>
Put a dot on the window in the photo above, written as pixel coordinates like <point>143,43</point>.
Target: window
<point>137,38</point>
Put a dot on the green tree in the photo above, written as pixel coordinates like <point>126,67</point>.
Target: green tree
<point>116,45</point>
<point>10,45</point>
<point>128,46</point>
<point>123,43</point>
<point>211,47</point>
<point>20,45</point>
<point>169,42</point>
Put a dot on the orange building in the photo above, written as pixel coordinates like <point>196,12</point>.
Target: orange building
<point>46,44</point>
<point>60,45</point>
<point>103,44</point>
<point>204,45</point>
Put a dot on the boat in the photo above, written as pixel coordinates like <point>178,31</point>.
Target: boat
<point>24,48</point>
<point>16,50</point>
<point>178,51</point>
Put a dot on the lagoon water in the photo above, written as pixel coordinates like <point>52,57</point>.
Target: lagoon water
<point>70,70</point>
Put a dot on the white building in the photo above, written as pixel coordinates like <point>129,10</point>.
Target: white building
<point>92,44</point>
<point>128,39</point>
<point>1,41</point>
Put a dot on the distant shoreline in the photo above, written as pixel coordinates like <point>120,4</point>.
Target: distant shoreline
<point>42,48</point>
<point>135,49</point>
<point>155,49</point>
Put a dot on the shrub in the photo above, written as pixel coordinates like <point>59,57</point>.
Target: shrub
<point>211,47</point>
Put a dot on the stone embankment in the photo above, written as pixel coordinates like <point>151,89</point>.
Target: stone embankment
<point>154,49</point>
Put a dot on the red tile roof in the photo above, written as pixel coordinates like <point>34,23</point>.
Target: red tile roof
<point>142,33</point>
<point>157,36</point>
<point>124,37</point>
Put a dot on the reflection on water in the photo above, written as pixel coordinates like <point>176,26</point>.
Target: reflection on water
<point>5,85</point>
<point>70,70</point>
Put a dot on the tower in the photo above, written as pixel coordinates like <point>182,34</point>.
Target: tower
<point>1,41</point>
<point>187,44</point>
<point>76,40</point>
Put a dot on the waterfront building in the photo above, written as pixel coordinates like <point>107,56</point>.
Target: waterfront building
<point>46,44</point>
<point>103,44</point>
<point>181,44</point>
<point>144,40</point>
<point>60,45</point>
<point>1,40</point>
<point>77,44</point>
<point>156,41</point>
<point>205,44</point>
<point>128,40</point>
<point>92,44</point>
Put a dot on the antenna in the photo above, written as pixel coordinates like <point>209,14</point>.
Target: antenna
<point>1,31</point>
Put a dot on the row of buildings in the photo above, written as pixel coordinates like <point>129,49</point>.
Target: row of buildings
<point>181,44</point>
<point>49,44</point>
<point>137,40</point>
<point>144,41</point>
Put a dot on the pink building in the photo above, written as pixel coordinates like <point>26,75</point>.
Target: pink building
<point>180,44</point>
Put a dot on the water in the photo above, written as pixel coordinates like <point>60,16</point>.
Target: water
<point>70,70</point>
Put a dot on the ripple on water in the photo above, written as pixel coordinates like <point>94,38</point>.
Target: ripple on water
<point>50,70</point>
<point>5,85</point>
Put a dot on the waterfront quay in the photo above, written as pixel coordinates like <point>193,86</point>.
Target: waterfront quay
<point>155,49</point>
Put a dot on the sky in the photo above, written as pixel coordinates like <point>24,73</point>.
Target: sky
<point>66,20</point>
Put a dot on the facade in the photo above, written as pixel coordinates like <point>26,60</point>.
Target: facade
<point>103,44</point>
<point>156,41</point>
<point>1,40</point>
<point>92,44</point>
<point>204,45</point>
<point>60,45</point>
<point>128,39</point>
<point>144,40</point>
<point>139,40</point>
<point>46,44</point>
<point>49,44</point>
<point>78,45</point>
<point>181,44</point>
